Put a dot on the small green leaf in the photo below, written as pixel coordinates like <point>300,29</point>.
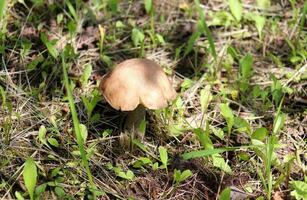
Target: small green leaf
<point>225,194</point>
<point>218,161</point>
<point>84,133</point>
<point>130,175</point>
<point>59,192</point>
<point>113,5</point>
<point>260,134</point>
<point>205,98</point>
<point>203,137</point>
<point>246,64</point>
<point>42,135</point>
<point>279,122</point>
<point>50,45</point>
<point>119,24</point>
<point>86,74</point>
<point>155,166</point>
<point>137,36</point>
<point>259,23</point>
<point>228,115</point>
<point>30,176</point>
<point>242,125</point>
<point>40,189</point>
<point>142,161</point>
<point>19,196</point>
<point>163,155</point>
<point>179,177</point>
<point>53,142</point>
<point>160,39</point>
<point>185,174</point>
<point>236,9</point>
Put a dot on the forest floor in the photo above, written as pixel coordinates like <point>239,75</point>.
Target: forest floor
<point>237,128</point>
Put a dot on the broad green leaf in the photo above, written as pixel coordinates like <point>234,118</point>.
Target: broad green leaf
<point>236,9</point>
<point>228,115</point>
<point>40,189</point>
<point>84,133</point>
<point>279,122</point>
<point>181,176</point>
<point>299,189</point>
<point>225,194</point>
<point>142,161</point>
<point>113,5</point>
<point>203,137</point>
<point>260,134</point>
<point>160,39</point>
<point>226,111</point>
<point>148,6</point>
<point>176,176</point>
<point>205,98</point>
<point>42,135</point>
<point>86,74</point>
<point>186,84</point>
<point>119,24</point>
<point>53,142</point>
<point>130,175</point>
<point>219,161</point>
<point>259,23</point>
<point>155,166</point>
<point>59,191</point>
<point>50,46</point>
<point>242,125</point>
<point>246,64</point>
<point>137,36</point>
<point>30,176</point>
<point>185,174</point>
<point>163,155</point>
<point>276,89</point>
<point>218,132</point>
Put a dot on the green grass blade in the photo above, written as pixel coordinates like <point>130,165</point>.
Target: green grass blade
<point>76,124</point>
<point>205,28</point>
<point>303,18</point>
<point>2,8</point>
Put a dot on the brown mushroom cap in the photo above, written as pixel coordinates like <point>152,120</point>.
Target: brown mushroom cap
<point>137,81</point>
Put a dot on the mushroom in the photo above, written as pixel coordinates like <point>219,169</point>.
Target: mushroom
<point>133,86</point>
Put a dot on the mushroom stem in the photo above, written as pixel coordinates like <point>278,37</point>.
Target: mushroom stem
<point>134,119</point>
